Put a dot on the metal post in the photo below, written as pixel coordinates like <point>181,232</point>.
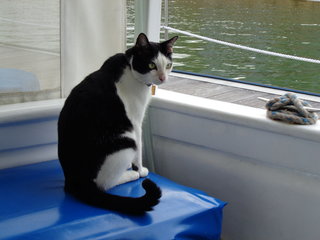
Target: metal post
<point>148,21</point>
<point>166,19</point>
<point>148,18</point>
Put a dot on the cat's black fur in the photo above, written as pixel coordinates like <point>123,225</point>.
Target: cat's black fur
<point>90,127</point>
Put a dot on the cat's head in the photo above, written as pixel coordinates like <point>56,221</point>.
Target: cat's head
<point>151,62</point>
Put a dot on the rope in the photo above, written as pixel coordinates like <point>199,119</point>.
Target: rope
<point>290,109</point>
<point>310,60</point>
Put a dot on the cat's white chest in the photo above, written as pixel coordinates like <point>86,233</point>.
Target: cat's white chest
<point>135,97</point>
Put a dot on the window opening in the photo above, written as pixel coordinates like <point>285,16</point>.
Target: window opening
<point>130,23</point>
<point>289,27</point>
<point>29,50</point>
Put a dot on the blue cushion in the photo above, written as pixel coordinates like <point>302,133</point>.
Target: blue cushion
<point>33,205</point>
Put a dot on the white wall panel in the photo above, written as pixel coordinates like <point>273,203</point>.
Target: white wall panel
<point>269,147</point>
<point>265,202</point>
<point>28,132</point>
<point>28,155</point>
<point>269,172</point>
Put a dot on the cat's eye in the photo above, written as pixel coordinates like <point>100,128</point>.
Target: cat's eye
<point>152,66</point>
<point>169,65</point>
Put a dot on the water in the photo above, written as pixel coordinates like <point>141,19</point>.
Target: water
<point>285,26</point>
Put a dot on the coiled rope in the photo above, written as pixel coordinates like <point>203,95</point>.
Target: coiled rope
<point>290,109</point>
<point>310,60</point>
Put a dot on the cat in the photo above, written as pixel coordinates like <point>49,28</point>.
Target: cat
<point>99,127</point>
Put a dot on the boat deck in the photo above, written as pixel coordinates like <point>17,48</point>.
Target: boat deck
<point>222,90</point>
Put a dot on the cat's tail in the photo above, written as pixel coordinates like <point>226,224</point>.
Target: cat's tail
<point>91,194</point>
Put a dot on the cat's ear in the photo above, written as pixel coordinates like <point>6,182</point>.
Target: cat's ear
<point>169,44</point>
<point>142,40</point>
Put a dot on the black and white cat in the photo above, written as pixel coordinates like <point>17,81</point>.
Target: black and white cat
<point>99,128</point>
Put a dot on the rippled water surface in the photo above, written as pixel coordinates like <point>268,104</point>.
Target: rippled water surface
<point>285,26</point>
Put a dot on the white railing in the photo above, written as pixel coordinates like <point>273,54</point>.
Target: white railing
<point>256,50</point>
<point>310,60</point>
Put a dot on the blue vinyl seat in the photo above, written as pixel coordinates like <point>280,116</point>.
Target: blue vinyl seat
<point>33,205</point>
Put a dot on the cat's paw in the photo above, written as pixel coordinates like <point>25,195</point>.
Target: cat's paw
<point>143,172</point>
<point>128,176</point>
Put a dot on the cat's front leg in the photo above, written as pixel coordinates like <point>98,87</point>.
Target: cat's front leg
<point>137,166</point>
<point>143,171</point>
<point>137,163</point>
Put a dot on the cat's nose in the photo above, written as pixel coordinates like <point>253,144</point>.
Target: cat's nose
<point>162,77</point>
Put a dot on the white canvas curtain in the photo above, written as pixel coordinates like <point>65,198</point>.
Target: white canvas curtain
<point>91,31</point>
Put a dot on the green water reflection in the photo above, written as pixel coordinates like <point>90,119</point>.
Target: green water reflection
<point>285,26</point>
